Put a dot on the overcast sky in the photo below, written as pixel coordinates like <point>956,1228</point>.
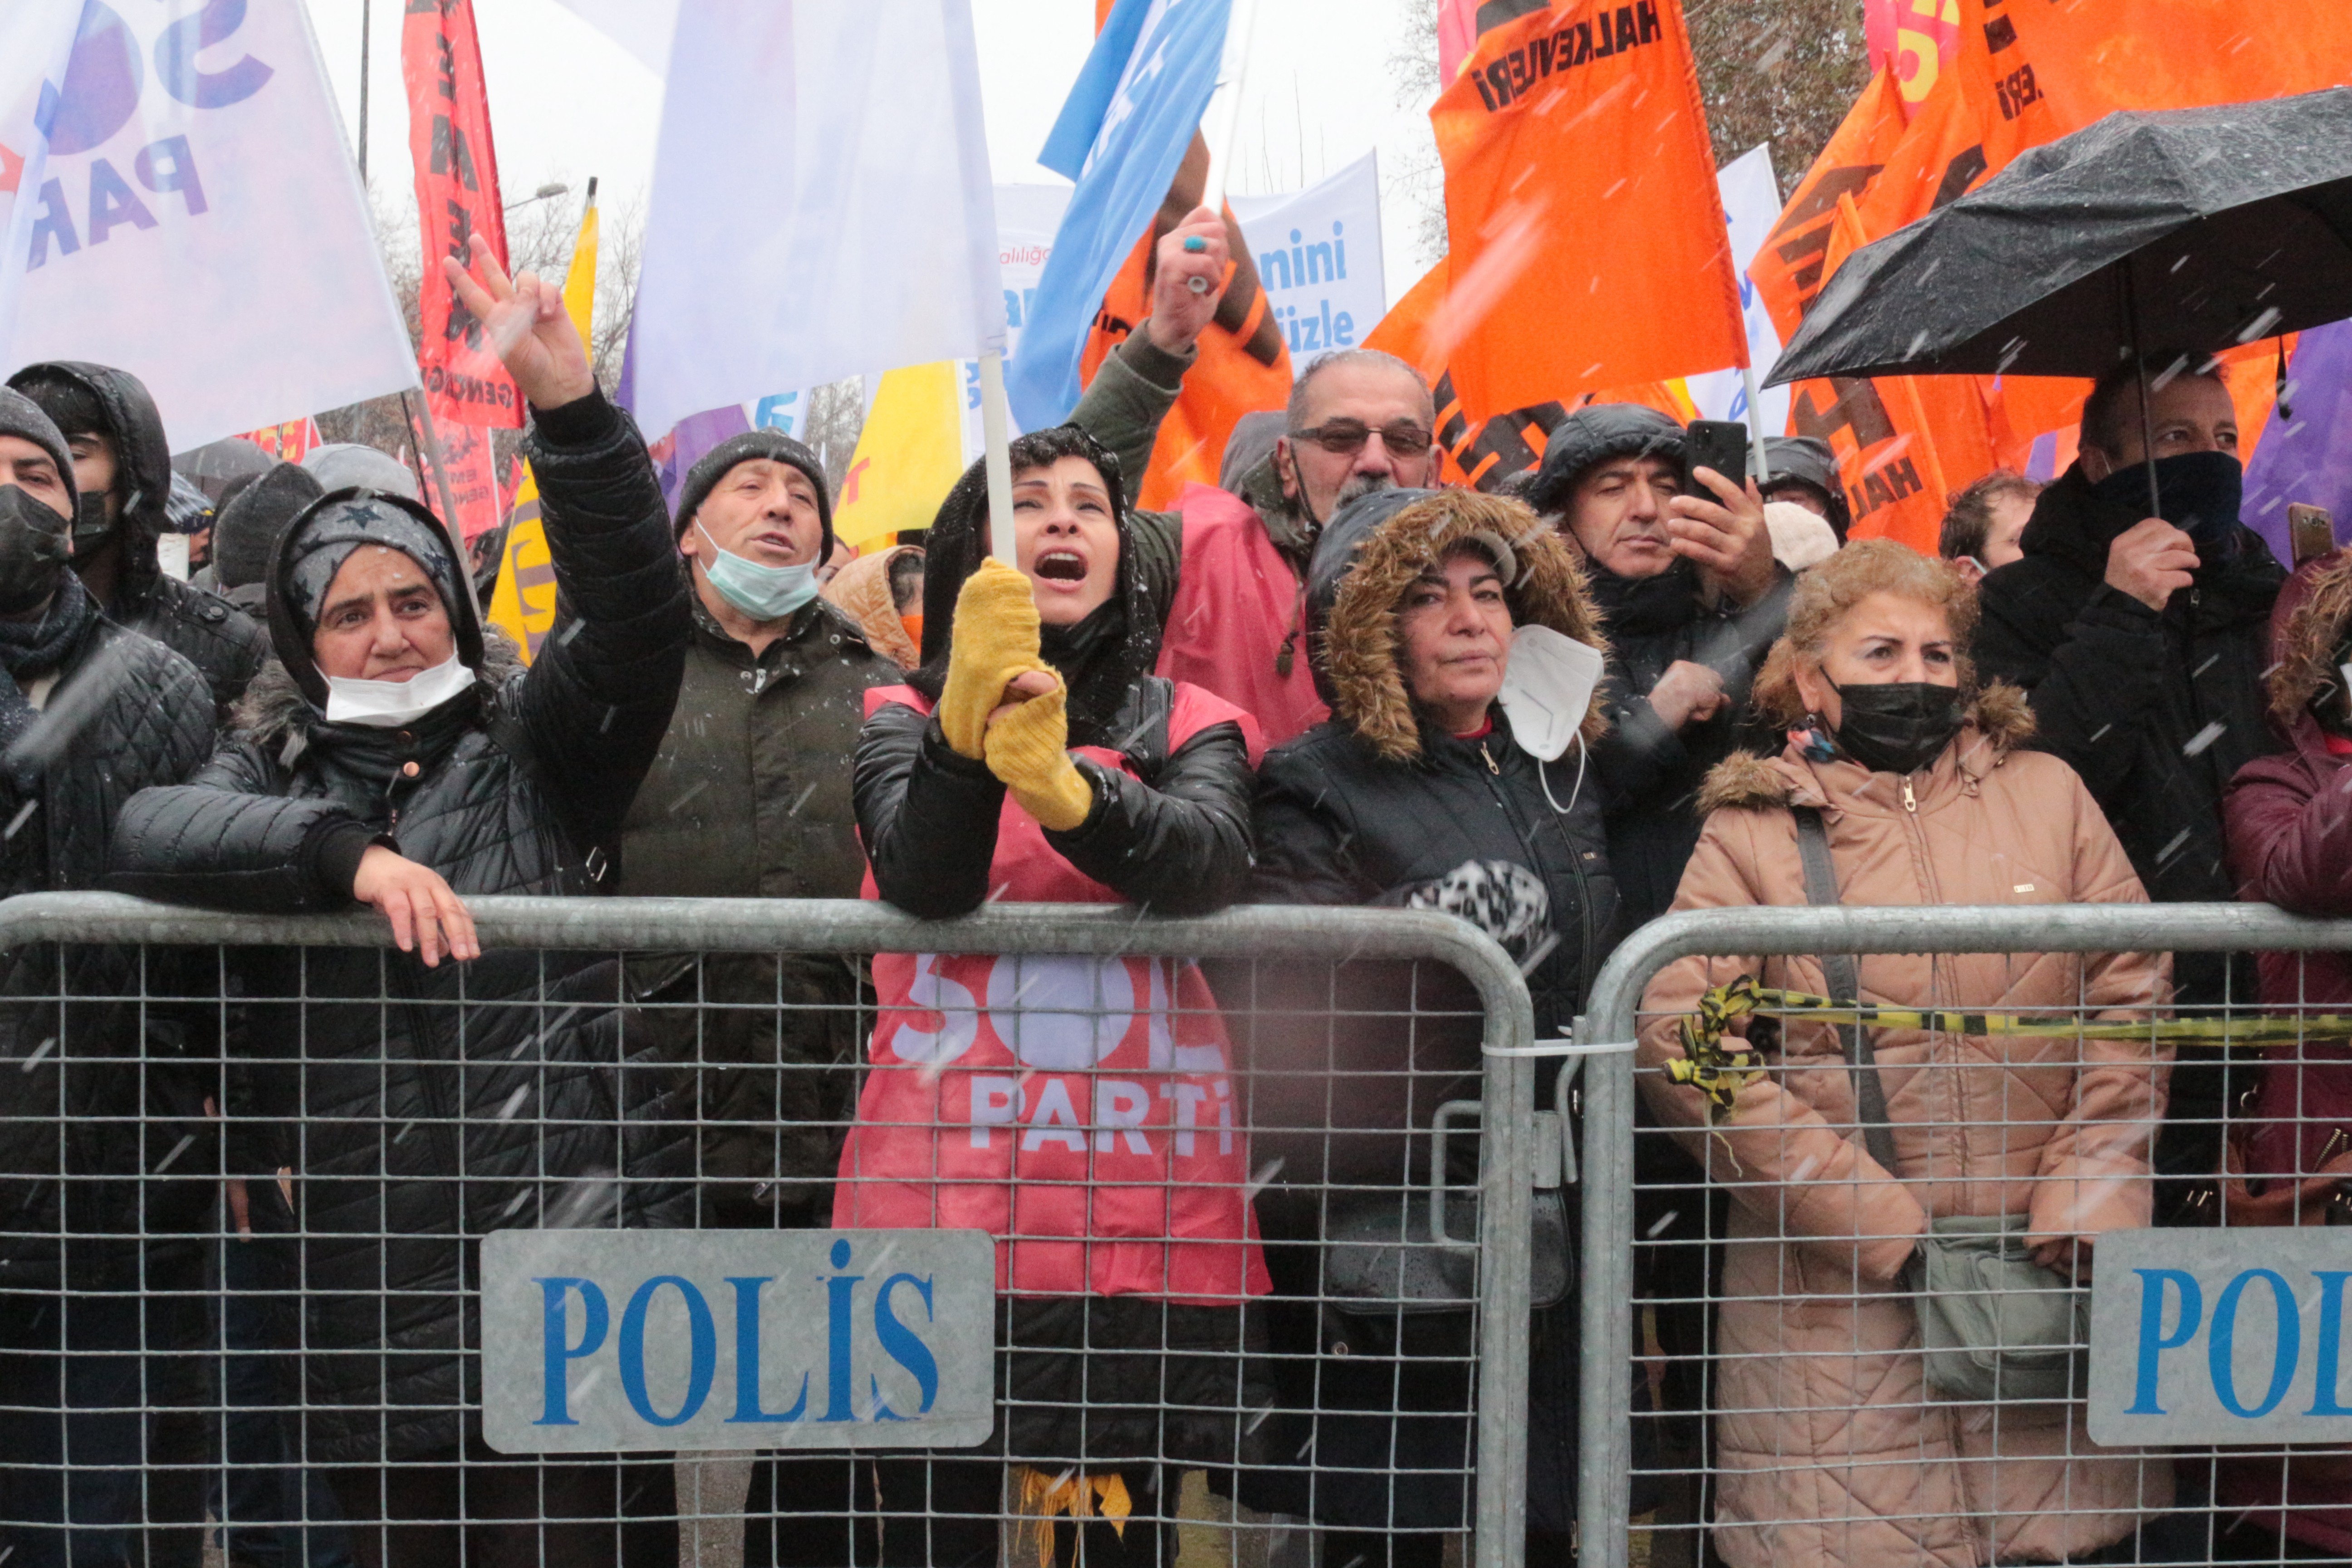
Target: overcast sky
<point>566,102</point>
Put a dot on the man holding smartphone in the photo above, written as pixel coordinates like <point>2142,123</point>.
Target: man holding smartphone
<point>1681,565</point>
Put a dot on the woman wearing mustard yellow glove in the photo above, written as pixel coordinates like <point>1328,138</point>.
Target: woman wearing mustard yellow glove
<point>1034,757</point>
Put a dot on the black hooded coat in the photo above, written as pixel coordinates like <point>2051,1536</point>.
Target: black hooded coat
<point>227,647</point>
<point>435,1105</point>
<point>98,1088</point>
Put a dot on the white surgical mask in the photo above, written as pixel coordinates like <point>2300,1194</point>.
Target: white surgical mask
<point>388,704</point>
<point>762,593</point>
<point>1547,687</point>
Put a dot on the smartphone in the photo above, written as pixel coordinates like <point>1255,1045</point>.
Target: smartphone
<point>2310,530</point>
<point>1718,444</point>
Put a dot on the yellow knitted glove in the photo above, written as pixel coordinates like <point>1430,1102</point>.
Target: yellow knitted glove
<point>1027,749</point>
<point>995,639</point>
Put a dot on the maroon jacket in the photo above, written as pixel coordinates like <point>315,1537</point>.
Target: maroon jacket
<point>2289,818</point>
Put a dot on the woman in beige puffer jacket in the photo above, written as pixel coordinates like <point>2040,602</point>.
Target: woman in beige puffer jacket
<point>1830,1448</point>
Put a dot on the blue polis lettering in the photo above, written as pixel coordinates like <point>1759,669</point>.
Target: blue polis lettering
<point>2221,1347</point>
<point>900,1343</point>
<point>702,1351</point>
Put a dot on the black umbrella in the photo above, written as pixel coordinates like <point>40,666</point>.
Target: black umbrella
<point>2204,227</point>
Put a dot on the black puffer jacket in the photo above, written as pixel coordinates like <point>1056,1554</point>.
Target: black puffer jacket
<point>440,1104</point>
<point>1378,805</point>
<point>1649,775</point>
<point>126,714</point>
<point>2156,711</point>
<point>227,647</point>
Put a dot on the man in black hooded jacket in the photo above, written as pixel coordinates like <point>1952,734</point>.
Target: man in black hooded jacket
<point>122,467</point>
<point>96,1091</point>
<point>2141,642</point>
<point>1691,599</point>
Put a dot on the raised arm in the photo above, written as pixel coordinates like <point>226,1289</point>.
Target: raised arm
<point>598,700</point>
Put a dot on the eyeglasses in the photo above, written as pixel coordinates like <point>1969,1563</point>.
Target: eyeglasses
<point>1346,438</point>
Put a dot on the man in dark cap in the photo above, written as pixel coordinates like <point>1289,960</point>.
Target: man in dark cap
<point>96,1091</point>
<point>1692,600</point>
<point>1801,469</point>
<point>122,474</point>
<point>750,798</point>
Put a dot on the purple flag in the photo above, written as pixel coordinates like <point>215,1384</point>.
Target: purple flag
<point>2309,456</point>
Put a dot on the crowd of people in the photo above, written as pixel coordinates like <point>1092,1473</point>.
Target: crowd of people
<point>1291,691</point>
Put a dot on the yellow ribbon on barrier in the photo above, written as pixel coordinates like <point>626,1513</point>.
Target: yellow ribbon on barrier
<point>1719,1064</point>
<point>1041,1498</point>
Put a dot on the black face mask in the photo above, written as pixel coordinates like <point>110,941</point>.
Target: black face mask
<point>32,551</point>
<point>1897,728</point>
<point>92,526</point>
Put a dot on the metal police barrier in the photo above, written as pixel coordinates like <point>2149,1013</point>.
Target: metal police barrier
<point>624,1315</point>
<point>2212,1353</point>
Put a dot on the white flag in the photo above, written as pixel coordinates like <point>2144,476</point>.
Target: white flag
<point>821,202</point>
<point>1318,259</point>
<point>196,219</point>
<point>1751,205</point>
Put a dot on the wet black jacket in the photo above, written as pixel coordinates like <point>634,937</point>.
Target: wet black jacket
<point>2156,712</point>
<point>125,714</point>
<point>227,647</point>
<point>430,1122</point>
<point>1649,775</point>
<point>1175,839</point>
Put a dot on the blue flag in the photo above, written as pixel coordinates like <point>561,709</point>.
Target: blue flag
<point>1121,135</point>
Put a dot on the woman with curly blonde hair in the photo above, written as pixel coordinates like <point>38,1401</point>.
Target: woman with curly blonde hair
<point>1833,1442</point>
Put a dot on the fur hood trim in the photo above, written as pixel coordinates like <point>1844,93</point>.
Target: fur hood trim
<point>1360,642</point>
<point>1745,782</point>
<point>273,707</point>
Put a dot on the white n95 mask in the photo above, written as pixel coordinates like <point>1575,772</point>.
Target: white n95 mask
<point>1547,690</point>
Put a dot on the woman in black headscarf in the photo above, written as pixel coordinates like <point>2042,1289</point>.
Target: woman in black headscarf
<point>397,754</point>
<point>1035,758</point>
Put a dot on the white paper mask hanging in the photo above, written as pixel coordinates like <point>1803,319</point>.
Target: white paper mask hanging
<point>1548,688</point>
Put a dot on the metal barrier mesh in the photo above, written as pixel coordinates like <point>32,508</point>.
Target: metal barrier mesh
<point>1798,1393</point>
<point>244,1184</point>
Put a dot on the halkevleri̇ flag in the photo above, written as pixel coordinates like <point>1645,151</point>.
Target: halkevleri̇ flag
<point>194,216</point>
<point>522,604</point>
<point>1121,135</point>
<point>821,202</point>
<point>457,198</point>
<point>1588,245</point>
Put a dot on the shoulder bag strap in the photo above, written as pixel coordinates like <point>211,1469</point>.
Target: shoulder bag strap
<point>1839,971</point>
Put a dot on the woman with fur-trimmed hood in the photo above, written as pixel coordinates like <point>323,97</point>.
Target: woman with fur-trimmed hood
<point>1415,795</point>
<point>1830,1445</point>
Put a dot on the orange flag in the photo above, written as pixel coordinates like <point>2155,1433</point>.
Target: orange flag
<point>1789,271</point>
<point>1588,246</point>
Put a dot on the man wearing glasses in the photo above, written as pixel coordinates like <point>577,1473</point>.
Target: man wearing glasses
<point>1228,568</point>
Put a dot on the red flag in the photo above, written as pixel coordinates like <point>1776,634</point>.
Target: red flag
<point>457,198</point>
<point>1588,248</point>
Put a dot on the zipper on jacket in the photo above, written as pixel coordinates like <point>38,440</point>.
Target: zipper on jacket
<point>1910,801</point>
<point>1489,758</point>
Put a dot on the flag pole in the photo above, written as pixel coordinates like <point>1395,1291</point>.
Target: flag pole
<point>1755,426</point>
<point>996,434</point>
<point>1239,23</point>
<point>422,408</point>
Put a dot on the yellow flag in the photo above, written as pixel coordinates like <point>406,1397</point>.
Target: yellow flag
<point>909,456</point>
<point>523,603</point>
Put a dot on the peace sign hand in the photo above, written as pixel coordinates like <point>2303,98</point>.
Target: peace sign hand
<point>529,327</point>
